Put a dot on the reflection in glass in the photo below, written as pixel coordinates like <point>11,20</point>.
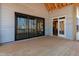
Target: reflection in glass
<point>61,27</point>
<point>40,27</point>
<point>34,28</point>
<point>55,27</point>
<point>77,24</point>
<point>21,25</point>
<point>28,27</point>
<point>21,28</point>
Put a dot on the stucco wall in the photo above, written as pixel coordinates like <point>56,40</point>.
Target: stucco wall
<point>8,18</point>
<point>0,22</point>
<point>68,12</point>
<point>7,27</point>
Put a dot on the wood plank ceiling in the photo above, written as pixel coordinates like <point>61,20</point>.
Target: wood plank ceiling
<point>53,6</point>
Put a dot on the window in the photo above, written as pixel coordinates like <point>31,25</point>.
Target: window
<point>28,26</point>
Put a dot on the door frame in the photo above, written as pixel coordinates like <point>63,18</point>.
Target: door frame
<point>58,26</point>
<point>52,24</point>
<point>27,16</point>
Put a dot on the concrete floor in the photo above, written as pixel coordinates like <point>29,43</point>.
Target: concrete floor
<point>41,46</point>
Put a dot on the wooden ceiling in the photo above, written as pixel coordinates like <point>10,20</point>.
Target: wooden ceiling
<point>53,6</point>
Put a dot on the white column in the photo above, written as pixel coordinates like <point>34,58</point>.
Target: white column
<point>77,23</point>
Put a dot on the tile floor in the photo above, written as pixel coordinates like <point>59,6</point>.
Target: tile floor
<point>41,46</point>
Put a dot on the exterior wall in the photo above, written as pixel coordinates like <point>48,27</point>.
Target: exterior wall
<point>0,22</point>
<point>7,21</point>
<point>74,22</point>
<point>8,18</point>
<point>69,13</point>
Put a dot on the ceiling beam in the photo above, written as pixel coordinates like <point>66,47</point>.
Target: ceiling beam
<point>53,6</point>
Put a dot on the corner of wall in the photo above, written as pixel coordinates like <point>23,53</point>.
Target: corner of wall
<point>0,22</point>
<point>74,22</point>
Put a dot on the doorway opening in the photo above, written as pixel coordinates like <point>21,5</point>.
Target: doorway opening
<point>55,26</point>
<point>59,26</point>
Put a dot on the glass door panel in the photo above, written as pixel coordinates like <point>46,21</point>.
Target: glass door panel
<point>40,27</point>
<point>62,27</point>
<point>27,26</point>
<point>55,27</point>
<point>21,28</point>
<point>34,28</point>
<point>30,28</point>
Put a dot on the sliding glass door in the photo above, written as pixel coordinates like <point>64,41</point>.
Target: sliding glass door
<point>22,28</point>
<point>40,27</point>
<point>32,28</point>
<point>28,26</point>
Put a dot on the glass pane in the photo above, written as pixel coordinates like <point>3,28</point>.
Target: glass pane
<point>61,27</point>
<point>21,26</point>
<point>55,27</point>
<point>27,28</point>
<point>40,27</point>
<point>30,26</point>
<point>77,24</point>
<point>27,25</point>
<point>34,28</point>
